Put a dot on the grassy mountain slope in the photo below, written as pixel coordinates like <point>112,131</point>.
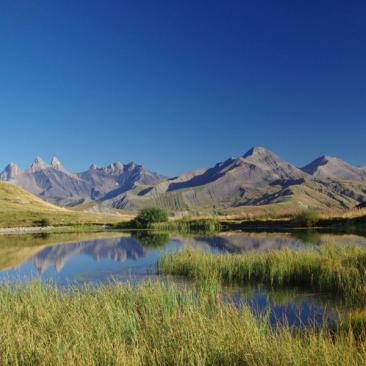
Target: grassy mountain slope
<point>298,195</point>
<point>272,200</point>
<point>21,208</point>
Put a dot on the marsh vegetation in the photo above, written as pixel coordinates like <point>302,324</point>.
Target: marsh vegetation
<point>332,268</point>
<point>154,324</point>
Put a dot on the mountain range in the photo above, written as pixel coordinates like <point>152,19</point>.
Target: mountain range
<point>259,178</point>
<point>55,184</point>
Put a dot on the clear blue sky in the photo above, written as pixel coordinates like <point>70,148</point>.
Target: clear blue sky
<point>177,85</point>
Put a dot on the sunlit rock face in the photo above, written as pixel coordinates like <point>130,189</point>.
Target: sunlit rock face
<point>11,172</point>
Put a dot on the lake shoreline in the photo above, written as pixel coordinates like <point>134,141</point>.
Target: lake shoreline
<point>54,229</point>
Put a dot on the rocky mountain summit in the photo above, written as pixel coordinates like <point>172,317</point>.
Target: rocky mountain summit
<point>256,169</point>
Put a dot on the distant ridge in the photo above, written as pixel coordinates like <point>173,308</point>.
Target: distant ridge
<point>327,167</point>
<point>258,178</point>
<point>55,184</point>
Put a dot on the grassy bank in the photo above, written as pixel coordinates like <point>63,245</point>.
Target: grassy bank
<point>335,223</point>
<point>188,225</point>
<point>64,218</point>
<point>332,268</point>
<point>277,213</point>
<point>153,325</point>
<point>183,225</point>
<point>348,220</point>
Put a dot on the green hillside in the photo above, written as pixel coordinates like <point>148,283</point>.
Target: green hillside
<point>21,208</point>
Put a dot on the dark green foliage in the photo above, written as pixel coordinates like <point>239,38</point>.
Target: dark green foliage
<point>307,236</point>
<point>151,239</point>
<point>306,218</point>
<point>188,226</point>
<point>42,236</point>
<point>149,216</point>
<point>44,222</point>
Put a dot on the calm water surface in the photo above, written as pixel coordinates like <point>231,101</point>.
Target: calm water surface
<point>81,259</point>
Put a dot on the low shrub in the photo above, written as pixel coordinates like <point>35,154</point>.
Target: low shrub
<point>149,216</point>
<point>306,218</point>
<point>44,222</point>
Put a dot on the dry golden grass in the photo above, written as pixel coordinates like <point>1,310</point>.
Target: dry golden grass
<point>21,208</point>
<point>344,214</point>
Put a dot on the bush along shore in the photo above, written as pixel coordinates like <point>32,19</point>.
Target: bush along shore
<point>156,219</point>
<point>330,268</point>
<point>154,324</point>
<point>188,225</point>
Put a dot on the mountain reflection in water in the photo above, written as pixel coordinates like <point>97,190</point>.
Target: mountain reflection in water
<point>99,257</point>
<point>117,249</point>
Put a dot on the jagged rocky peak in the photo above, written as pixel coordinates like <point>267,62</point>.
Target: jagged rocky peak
<point>11,171</point>
<point>118,165</point>
<point>132,165</point>
<point>56,164</point>
<point>39,164</point>
<point>12,167</point>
